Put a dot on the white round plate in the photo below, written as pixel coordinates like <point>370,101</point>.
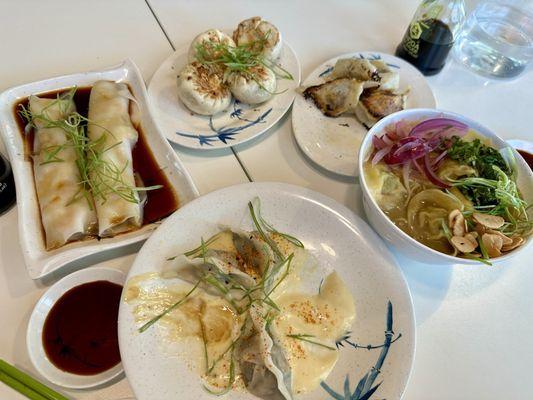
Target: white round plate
<point>237,124</point>
<point>158,370</point>
<point>34,334</point>
<point>333,143</point>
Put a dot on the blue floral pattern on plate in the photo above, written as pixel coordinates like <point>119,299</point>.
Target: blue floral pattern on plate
<point>226,133</point>
<point>365,389</point>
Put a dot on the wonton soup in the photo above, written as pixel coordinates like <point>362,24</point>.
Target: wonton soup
<point>447,187</point>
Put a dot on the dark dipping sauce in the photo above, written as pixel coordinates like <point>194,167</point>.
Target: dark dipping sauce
<point>434,45</point>
<point>80,332</point>
<point>160,202</point>
<point>528,157</point>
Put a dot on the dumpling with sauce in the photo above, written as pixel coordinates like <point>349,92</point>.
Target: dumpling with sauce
<point>258,379</point>
<point>255,86</point>
<point>202,89</point>
<point>205,45</point>
<point>261,35</point>
<point>269,376</point>
<point>325,316</point>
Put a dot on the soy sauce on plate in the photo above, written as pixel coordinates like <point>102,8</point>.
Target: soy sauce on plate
<point>80,332</point>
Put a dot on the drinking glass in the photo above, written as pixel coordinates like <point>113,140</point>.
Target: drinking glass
<point>497,39</point>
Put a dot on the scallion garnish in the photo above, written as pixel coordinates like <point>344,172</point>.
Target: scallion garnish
<point>169,309</point>
<point>98,176</point>
<point>273,230</point>
<point>304,337</point>
<point>244,59</point>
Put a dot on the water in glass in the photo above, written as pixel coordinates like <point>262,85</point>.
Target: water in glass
<point>497,40</point>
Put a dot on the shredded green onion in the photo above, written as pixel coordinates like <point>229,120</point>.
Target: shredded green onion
<point>305,338</point>
<point>169,309</point>
<point>98,176</point>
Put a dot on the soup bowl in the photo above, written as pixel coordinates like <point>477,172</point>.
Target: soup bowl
<point>391,233</point>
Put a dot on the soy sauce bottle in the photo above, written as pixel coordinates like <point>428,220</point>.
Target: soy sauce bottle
<point>431,34</point>
<point>7,185</point>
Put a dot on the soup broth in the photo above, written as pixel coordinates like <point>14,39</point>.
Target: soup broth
<point>449,188</point>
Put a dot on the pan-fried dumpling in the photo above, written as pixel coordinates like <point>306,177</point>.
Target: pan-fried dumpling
<point>355,68</point>
<point>387,78</point>
<point>373,73</point>
<point>255,86</point>
<point>201,88</point>
<point>375,104</point>
<point>389,81</point>
<point>209,39</point>
<point>336,97</point>
<point>264,36</point>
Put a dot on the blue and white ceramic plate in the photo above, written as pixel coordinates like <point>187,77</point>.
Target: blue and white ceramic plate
<point>237,124</point>
<point>375,358</point>
<point>333,143</point>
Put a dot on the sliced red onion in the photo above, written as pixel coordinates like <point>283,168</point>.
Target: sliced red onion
<point>419,168</point>
<point>387,139</point>
<point>392,135</point>
<point>433,144</point>
<point>439,158</point>
<point>403,128</point>
<point>451,132</point>
<point>408,148</point>
<point>391,128</point>
<point>405,174</point>
<point>429,125</point>
<point>378,142</point>
<point>380,154</point>
<point>408,145</point>
<point>431,174</point>
<point>403,143</point>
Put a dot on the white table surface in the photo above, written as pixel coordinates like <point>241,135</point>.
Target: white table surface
<point>474,325</point>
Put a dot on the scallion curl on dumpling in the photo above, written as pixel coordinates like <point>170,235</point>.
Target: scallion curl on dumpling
<point>205,45</point>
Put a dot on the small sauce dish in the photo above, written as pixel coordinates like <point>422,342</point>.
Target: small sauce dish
<point>72,334</point>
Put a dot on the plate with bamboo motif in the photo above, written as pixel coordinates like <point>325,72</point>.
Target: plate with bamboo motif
<point>375,355</point>
<point>236,124</point>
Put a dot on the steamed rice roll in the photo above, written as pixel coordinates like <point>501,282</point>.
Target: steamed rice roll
<point>66,214</point>
<point>112,137</point>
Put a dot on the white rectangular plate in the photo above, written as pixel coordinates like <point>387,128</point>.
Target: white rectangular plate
<point>40,262</point>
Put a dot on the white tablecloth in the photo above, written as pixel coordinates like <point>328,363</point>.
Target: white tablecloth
<point>474,324</point>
